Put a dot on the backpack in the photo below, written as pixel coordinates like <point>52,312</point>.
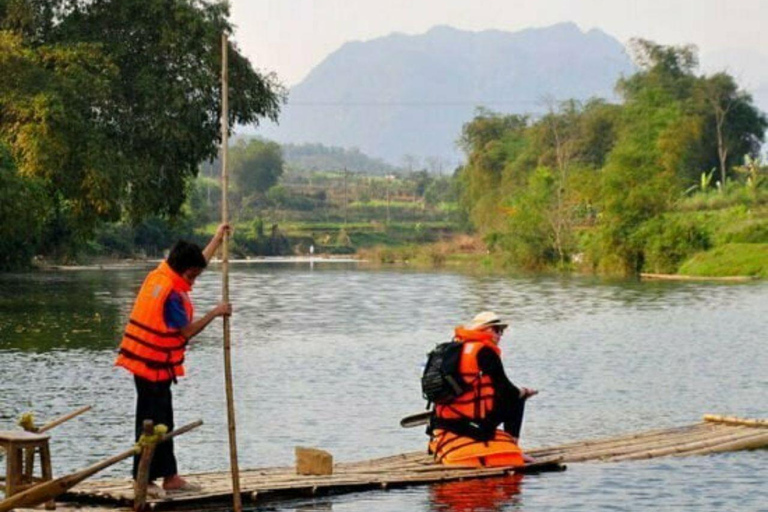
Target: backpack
<point>441,382</point>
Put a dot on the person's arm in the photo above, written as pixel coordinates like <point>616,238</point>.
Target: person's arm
<point>490,364</point>
<point>215,242</point>
<point>193,329</point>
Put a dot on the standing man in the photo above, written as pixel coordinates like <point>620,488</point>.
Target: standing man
<point>155,339</point>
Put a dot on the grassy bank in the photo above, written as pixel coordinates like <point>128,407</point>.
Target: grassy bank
<point>729,260</point>
<point>456,251</point>
<point>735,240</point>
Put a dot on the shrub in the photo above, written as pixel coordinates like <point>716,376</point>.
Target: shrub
<point>667,241</point>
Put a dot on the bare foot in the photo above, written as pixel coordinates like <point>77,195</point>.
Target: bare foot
<point>528,459</point>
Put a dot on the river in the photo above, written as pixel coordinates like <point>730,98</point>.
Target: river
<point>330,356</point>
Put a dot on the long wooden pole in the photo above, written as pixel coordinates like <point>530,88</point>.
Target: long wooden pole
<point>236,502</point>
<point>45,491</point>
<point>64,418</point>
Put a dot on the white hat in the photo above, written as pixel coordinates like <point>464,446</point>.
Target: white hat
<point>486,319</point>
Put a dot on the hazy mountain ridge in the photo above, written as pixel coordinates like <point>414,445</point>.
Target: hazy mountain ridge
<point>410,94</point>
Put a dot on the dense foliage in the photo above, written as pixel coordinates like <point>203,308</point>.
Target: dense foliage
<point>108,107</point>
<point>592,182</point>
<point>318,157</point>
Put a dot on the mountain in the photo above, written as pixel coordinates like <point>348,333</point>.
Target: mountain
<point>410,94</point>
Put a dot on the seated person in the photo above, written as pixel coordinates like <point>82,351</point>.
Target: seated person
<point>464,431</point>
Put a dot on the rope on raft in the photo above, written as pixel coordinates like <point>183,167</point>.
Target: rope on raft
<point>27,422</point>
<point>149,440</point>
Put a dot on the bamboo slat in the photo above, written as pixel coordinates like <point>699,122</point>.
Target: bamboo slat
<point>745,443</point>
<point>733,420</point>
<point>647,435</point>
<point>704,446</point>
<point>600,452</point>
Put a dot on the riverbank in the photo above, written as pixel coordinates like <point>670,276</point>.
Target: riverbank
<point>729,262</point>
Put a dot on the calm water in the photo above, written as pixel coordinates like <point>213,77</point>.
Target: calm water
<point>331,357</point>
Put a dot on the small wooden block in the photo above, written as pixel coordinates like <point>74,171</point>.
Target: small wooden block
<point>311,461</point>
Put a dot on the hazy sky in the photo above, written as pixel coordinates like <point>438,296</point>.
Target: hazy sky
<point>290,37</point>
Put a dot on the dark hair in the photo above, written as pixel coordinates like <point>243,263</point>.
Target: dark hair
<point>185,255</point>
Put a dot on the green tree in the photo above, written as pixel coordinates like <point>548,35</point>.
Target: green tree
<point>256,166</point>
<point>491,141</point>
<point>731,119</point>
<point>113,104</point>
<point>23,211</point>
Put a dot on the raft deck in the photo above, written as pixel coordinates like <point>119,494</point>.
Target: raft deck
<point>713,435</point>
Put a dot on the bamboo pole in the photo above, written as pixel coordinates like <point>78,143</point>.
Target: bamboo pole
<point>61,419</point>
<point>745,443</point>
<point>537,452</point>
<point>700,446</point>
<point>733,420</point>
<point>610,447</point>
<point>612,452</point>
<point>49,490</point>
<point>235,470</point>
<point>142,475</point>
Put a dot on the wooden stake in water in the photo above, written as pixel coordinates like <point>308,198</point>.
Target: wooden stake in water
<point>236,503</point>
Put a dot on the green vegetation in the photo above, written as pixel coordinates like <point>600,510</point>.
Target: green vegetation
<point>317,157</point>
<point>108,141</point>
<point>729,259</point>
<point>108,107</point>
<point>622,188</point>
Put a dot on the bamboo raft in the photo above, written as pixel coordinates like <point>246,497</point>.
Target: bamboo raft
<point>712,435</point>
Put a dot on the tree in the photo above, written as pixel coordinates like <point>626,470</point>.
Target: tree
<point>739,126</point>
<point>256,166</point>
<point>23,211</point>
<point>113,104</point>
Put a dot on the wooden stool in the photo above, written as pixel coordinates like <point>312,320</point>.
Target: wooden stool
<point>20,448</point>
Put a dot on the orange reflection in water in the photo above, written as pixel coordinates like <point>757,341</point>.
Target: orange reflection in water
<point>486,495</point>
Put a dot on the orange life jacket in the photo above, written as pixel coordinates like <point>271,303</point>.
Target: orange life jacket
<point>477,402</point>
<point>496,448</point>
<point>150,349</point>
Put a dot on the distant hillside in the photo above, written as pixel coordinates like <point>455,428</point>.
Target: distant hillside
<point>403,94</point>
<point>317,157</point>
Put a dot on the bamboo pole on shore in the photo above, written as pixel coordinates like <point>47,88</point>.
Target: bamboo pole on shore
<point>234,468</point>
<point>681,277</point>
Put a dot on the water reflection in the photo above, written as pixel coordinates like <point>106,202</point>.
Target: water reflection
<point>45,311</point>
<point>486,495</point>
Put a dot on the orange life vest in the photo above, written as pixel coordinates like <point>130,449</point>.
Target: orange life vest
<point>477,402</point>
<point>497,448</point>
<point>150,349</point>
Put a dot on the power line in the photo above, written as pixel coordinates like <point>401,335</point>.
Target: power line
<point>416,103</point>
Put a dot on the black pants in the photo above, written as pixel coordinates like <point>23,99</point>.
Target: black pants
<point>512,417</point>
<point>154,402</point>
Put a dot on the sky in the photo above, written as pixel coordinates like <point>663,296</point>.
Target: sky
<point>290,37</point>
